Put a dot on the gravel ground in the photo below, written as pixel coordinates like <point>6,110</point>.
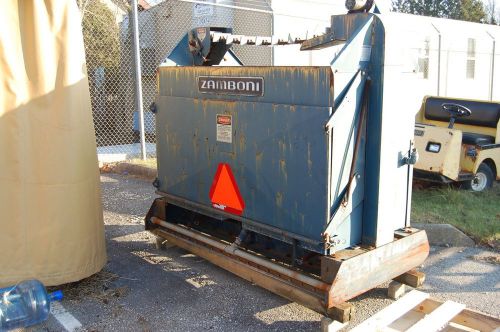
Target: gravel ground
<point>145,289</point>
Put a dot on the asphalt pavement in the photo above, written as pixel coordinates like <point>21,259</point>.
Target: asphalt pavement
<point>146,289</point>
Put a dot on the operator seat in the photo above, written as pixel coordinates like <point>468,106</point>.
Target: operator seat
<point>477,139</point>
<point>484,114</point>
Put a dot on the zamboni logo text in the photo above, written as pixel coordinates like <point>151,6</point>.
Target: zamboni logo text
<point>246,86</point>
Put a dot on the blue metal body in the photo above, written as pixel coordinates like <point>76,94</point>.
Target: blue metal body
<point>279,143</point>
<point>149,122</point>
<point>307,155</point>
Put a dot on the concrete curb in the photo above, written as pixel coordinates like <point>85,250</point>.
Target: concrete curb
<point>143,172</point>
<point>445,235</point>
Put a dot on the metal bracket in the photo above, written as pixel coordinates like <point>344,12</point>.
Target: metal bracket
<point>411,159</point>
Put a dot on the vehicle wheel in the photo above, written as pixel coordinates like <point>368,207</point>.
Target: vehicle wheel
<point>482,180</point>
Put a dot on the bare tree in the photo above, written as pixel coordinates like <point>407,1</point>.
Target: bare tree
<point>490,10</point>
<point>497,15</point>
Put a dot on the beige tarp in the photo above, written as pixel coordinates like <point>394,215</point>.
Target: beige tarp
<point>51,224</point>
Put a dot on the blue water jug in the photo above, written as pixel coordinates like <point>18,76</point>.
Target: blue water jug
<point>25,304</point>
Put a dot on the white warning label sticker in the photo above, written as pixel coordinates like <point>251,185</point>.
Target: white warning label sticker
<point>366,52</point>
<point>224,128</point>
<point>201,10</point>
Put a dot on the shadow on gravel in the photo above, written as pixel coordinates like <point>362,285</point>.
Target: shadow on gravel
<point>175,290</point>
<point>126,195</point>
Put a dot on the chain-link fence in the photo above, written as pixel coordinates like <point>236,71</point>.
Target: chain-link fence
<point>447,62</point>
<point>110,63</point>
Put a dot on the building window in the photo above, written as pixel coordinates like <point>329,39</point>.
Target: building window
<point>471,59</point>
<point>423,60</point>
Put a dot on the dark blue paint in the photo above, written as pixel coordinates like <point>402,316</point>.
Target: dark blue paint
<point>278,155</point>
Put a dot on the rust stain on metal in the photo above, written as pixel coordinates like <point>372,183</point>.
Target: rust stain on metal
<point>258,160</point>
<point>302,219</point>
<point>402,255</point>
<point>309,160</point>
<point>242,141</point>
<point>196,144</point>
<point>258,156</point>
<point>279,199</point>
<point>307,282</point>
<point>283,170</point>
<point>272,280</point>
<point>282,147</point>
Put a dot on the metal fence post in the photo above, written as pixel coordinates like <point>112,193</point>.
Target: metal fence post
<point>492,68</point>
<point>138,76</point>
<point>439,61</point>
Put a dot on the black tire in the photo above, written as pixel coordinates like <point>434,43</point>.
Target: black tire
<point>482,180</point>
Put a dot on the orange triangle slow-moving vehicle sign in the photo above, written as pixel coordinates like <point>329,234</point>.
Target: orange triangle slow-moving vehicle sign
<point>224,192</point>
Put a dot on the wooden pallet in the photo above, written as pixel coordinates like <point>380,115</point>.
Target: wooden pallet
<point>416,312</point>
